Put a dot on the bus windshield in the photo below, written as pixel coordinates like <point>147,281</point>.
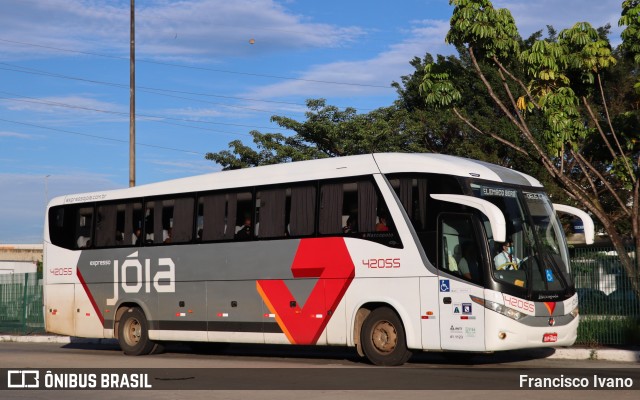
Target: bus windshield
<point>534,255</point>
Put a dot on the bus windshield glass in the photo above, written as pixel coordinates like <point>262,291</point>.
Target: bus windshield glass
<point>534,255</point>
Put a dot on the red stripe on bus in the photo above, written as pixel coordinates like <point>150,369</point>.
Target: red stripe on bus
<point>91,299</point>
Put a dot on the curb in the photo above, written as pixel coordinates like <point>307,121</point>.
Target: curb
<point>596,354</point>
<point>54,339</point>
<point>605,354</point>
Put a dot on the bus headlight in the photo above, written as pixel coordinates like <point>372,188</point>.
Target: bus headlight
<point>504,310</point>
<point>575,312</point>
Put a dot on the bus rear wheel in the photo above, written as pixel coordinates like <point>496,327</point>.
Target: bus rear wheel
<point>133,333</point>
<point>383,338</point>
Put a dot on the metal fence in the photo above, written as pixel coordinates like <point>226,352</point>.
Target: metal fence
<point>609,309</point>
<point>21,304</point>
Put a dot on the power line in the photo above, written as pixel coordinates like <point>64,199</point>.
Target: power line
<point>148,117</point>
<point>102,137</point>
<point>198,68</point>
<point>157,91</point>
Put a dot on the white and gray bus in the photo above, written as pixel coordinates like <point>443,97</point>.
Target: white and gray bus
<point>389,253</point>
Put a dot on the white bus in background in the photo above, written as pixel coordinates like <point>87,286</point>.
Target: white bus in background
<point>389,253</point>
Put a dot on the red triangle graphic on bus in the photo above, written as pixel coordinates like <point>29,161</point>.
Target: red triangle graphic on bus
<point>325,258</point>
<point>550,306</point>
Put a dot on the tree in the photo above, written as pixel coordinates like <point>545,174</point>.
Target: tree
<point>560,109</point>
<point>327,132</point>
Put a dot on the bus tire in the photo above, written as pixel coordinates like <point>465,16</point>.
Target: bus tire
<point>383,339</point>
<point>133,333</point>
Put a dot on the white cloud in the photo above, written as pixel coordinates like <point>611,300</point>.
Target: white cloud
<point>425,37</point>
<point>174,30</point>
<point>16,135</point>
<point>71,104</point>
<point>428,36</point>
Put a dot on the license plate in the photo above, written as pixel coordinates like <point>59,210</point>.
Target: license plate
<point>550,338</point>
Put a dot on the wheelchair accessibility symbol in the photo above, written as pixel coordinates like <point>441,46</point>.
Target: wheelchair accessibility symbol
<point>549,274</point>
<point>444,285</point>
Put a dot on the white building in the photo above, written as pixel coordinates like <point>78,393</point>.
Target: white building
<point>19,258</point>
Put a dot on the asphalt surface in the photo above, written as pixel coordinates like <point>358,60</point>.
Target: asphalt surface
<point>566,353</point>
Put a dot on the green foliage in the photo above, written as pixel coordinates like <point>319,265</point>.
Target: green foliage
<point>610,330</point>
<point>271,148</point>
<point>564,121</point>
<point>630,18</point>
<point>588,52</point>
<point>326,132</point>
<point>437,89</point>
<point>492,31</point>
<point>545,61</point>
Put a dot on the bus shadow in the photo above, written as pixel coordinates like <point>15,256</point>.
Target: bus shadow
<point>92,344</point>
<point>320,354</point>
<point>349,355</point>
<point>463,358</point>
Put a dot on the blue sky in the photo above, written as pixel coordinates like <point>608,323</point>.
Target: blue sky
<point>64,80</point>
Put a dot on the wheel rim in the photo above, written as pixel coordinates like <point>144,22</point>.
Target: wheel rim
<point>132,331</point>
<point>384,337</point>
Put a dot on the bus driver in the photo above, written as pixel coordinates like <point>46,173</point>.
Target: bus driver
<point>506,260</point>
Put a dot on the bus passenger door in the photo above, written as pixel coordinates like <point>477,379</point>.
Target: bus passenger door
<point>459,281</point>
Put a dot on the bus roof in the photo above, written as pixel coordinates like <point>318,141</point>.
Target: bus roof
<point>325,168</point>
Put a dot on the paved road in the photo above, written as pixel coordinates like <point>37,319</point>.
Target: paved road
<point>277,367</point>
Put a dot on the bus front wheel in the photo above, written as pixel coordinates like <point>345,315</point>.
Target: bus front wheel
<point>383,338</point>
<point>133,333</point>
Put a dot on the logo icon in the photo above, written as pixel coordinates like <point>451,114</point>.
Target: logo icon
<point>19,379</point>
<point>325,258</point>
<point>444,285</point>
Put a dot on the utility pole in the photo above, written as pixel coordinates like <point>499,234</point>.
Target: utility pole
<point>132,100</point>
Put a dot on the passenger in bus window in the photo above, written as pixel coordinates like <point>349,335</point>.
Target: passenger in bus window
<point>244,233</point>
<point>468,264</point>
<point>83,242</point>
<point>166,235</point>
<point>351,225</point>
<point>135,237</point>
<point>381,226</point>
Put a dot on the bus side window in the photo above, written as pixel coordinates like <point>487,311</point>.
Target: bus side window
<point>169,221</point>
<point>84,227</point>
<point>213,221</point>
<point>106,225</point>
<point>180,224</point>
<point>62,226</point>
<point>356,209</point>
<point>242,212</point>
<point>367,202</point>
<point>302,208</point>
<point>270,213</point>
<point>148,234</point>
<point>132,224</point>
<point>331,200</point>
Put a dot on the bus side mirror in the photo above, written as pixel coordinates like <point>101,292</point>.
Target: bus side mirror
<point>587,222</point>
<point>491,211</point>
